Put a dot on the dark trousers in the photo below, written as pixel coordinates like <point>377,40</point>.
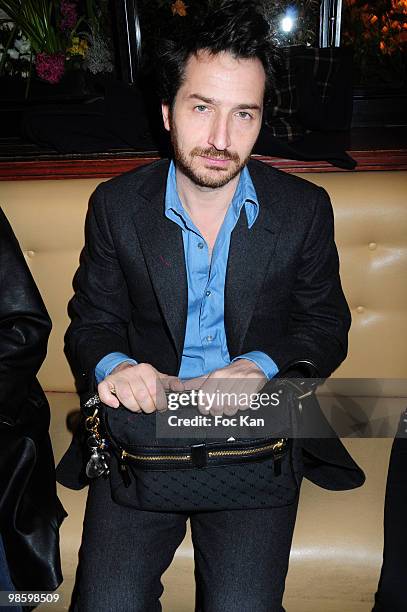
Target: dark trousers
<point>241,556</point>
<point>391,594</point>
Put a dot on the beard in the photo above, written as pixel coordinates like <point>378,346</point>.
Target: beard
<point>211,177</point>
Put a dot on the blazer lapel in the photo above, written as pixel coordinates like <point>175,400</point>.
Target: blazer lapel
<point>162,246</point>
<point>250,258</point>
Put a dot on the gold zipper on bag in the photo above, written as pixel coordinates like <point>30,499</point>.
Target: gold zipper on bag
<point>126,455</point>
<point>276,446</point>
<point>93,422</point>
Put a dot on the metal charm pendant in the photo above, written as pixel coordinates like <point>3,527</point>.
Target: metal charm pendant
<point>97,464</point>
<point>98,461</point>
<point>92,442</point>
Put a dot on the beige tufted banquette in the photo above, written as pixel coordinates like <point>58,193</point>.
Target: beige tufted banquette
<point>336,554</point>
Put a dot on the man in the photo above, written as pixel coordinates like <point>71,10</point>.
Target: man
<point>210,266</point>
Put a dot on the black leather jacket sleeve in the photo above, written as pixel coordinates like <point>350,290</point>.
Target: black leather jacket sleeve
<point>24,326</point>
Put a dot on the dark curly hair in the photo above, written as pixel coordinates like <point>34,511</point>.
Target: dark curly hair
<point>235,26</point>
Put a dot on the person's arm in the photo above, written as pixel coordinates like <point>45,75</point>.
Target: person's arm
<point>100,314</point>
<point>100,309</point>
<point>319,314</point>
<point>262,361</point>
<point>24,326</point>
<point>108,363</point>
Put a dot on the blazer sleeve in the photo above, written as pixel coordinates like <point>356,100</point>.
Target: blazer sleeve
<point>24,326</point>
<point>100,309</point>
<point>319,318</point>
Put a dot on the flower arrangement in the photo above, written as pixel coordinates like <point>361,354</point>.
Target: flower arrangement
<point>378,33</point>
<point>52,36</point>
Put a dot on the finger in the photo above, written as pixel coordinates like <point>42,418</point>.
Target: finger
<point>124,393</point>
<point>203,398</point>
<point>243,392</point>
<point>215,390</point>
<point>255,393</point>
<point>235,394</point>
<point>230,409</point>
<point>105,395</point>
<point>143,396</point>
<point>194,383</point>
<point>230,397</point>
<point>244,389</point>
<point>216,403</point>
<point>155,386</point>
<point>160,396</point>
<point>216,409</point>
<point>173,383</point>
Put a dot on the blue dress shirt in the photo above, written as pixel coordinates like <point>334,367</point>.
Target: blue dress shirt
<point>205,347</point>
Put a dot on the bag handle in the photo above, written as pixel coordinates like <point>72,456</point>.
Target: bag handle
<point>306,376</point>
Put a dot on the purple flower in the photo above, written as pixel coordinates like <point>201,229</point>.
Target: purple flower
<point>50,67</point>
<point>69,15</point>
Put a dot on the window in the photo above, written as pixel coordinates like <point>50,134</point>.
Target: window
<point>95,41</point>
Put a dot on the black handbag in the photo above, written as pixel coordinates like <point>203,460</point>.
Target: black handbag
<point>204,474</point>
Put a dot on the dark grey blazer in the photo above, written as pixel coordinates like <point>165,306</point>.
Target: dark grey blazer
<point>283,293</point>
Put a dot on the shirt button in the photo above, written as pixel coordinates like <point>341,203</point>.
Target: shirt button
<point>209,338</point>
<point>208,293</point>
<point>200,245</point>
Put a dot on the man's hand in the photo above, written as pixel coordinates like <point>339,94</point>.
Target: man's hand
<point>235,382</point>
<point>140,388</point>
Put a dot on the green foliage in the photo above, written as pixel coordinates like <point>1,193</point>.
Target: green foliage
<point>36,20</point>
<point>42,26</point>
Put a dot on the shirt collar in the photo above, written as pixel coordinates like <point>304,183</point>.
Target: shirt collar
<point>245,194</point>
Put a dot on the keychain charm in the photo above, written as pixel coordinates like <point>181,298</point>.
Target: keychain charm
<point>97,464</point>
